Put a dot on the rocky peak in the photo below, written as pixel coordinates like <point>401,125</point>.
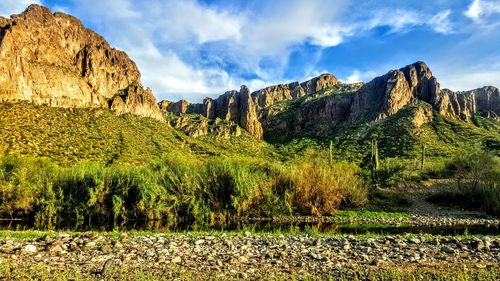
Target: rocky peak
<point>53,59</point>
<point>269,95</point>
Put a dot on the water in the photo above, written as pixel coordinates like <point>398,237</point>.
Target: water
<point>284,227</point>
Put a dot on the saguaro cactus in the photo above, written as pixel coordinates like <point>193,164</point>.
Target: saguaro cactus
<point>422,161</point>
<point>374,158</point>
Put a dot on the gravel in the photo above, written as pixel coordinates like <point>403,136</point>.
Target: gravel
<point>249,255</point>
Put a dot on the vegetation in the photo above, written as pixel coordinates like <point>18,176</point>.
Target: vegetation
<point>477,175</point>
<point>411,273</point>
<point>80,167</point>
<point>180,190</point>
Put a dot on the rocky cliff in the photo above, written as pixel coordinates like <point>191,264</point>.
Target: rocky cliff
<point>242,107</point>
<point>324,103</point>
<point>383,97</point>
<point>53,59</point>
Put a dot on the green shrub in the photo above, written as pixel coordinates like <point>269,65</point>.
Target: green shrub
<point>478,181</point>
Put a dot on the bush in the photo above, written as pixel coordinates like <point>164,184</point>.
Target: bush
<point>178,190</point>
<point>478,181</point>
<point>321,189</point>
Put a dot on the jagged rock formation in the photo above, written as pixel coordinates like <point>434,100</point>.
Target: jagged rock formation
<point>235,106</point>
<point>267,96</point>
<point>383,97</point>
<point>242,107</point>
<point>351,104</point>
<point>53,59</point>
<point>199,126</point>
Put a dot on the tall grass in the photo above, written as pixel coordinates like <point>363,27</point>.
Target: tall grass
<point>177,189</point>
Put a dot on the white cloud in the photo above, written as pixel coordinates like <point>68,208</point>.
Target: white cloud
<point>467,80</point>
<point>440,22</point>
<point>183,47</point>
<point>358,76</point>
<point>400,20</point>
<point>481,8</point>
<point>9,7</point>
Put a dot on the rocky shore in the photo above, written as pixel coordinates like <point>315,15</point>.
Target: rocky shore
<point>409,220</point>
<point>245,256</point>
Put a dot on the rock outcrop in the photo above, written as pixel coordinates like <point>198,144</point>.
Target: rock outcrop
<point>383,97</point>
<point>53,59</point>
<point>242,107</point>
<point>236,106</point>
<point>352,104</point>
<point>268,96</point>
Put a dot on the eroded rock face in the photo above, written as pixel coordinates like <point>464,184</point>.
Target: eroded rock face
<point>268,96</point>
<point>236,106</point>
<point>381,98</point>
<point>242,107</point>
<point>53,59</point>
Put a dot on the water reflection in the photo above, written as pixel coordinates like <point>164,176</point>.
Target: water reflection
<point>274,227</point>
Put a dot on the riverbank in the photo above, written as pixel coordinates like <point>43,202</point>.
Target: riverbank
<point>254,256</point>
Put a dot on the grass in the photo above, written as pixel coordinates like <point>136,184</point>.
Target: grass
<point>44,272</point>
<point>477,175</point>
<point>370,214</point>
<point>179,190</point>
<point>89,167</point>
<point>69,136</point>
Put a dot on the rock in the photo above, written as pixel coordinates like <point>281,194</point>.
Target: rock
<point>176,260</point>
<point>52,59</point>
<point>447,250</point>
<point>106,249</point>
<point>124,237</point>
<point>74,247</point>
<point>30,249</point>
<point>107,266</point>
<point>55,248</point>
<point>414,240</point>
<point>90,244</point>
<point>479,245</point>
<point>199,242</point>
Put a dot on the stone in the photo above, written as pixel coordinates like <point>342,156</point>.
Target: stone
<point>55,248</point>
<point>124,237</point>
<point>414,240</point>
<point>30,249</point>
<point>479,245</point>
<point>106,249</point>
<point>447,250</point>
<point>176,260</point>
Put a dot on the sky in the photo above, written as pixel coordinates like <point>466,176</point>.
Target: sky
<point>197,48</point>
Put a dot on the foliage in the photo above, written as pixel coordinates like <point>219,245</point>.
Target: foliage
<point>320,188</point>
<point>478,181</point>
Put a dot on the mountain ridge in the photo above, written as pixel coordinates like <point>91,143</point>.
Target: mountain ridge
<point>378,99</point>
<point>52,59</point>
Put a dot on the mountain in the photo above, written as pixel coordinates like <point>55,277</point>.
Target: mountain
<point>326,104</point>
<point>53,59</point>
<point>59,83</point>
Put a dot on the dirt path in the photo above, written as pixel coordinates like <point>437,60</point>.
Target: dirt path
<point>420,206</point>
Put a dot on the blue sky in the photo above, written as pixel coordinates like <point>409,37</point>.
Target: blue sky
<point>196,48</point>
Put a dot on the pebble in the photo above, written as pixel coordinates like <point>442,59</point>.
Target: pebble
<point>250,254</point>
<point>30,249</point>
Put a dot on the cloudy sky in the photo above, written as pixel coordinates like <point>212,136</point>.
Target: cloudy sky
<point>196,48</point>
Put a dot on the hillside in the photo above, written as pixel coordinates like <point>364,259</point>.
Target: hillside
<point>74,135</point>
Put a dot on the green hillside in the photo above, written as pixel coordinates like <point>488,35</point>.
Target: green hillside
<point>74,135</point>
